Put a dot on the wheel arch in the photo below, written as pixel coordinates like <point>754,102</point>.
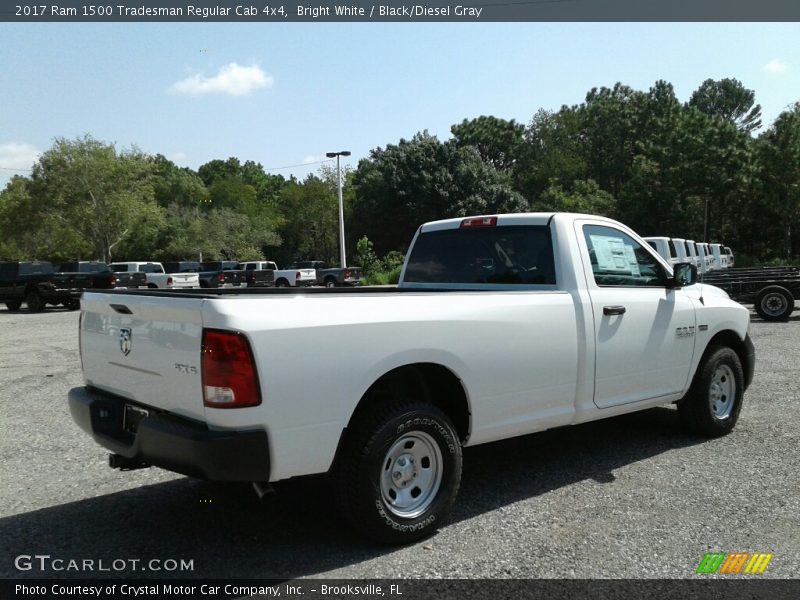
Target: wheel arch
<point>742,347</point>
<point>432,382</point>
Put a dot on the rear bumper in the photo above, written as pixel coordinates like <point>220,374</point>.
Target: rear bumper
<point>172,442</point>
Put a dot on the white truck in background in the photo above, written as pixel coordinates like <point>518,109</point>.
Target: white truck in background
<point>707,257</point>
<point>283,277</point>
<point>156,276</point>
<point>501,325</point>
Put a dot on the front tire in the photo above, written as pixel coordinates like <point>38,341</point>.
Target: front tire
<point>712,405</point>
<point>399,472</point>
<point>13,304</point>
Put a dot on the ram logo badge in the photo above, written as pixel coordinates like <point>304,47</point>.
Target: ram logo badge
<point>125,340</point>
<point>683,332</point>
<point>186,369</point>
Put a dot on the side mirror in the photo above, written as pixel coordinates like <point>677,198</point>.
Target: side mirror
<point>684,274</point>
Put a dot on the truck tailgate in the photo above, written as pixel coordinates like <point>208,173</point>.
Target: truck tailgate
<point>145,348</point>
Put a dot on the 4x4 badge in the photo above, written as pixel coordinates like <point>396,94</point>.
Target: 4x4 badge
<point>125,341</point>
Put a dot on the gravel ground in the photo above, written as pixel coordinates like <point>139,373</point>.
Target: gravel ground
<point>630,497</point>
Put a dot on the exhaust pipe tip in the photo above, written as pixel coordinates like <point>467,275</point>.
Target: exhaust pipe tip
<point>263,489</point>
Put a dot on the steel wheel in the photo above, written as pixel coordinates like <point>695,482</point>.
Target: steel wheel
<point>722,392</point>
<point>411,475</point>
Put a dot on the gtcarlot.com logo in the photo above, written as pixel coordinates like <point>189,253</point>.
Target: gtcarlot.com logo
<point>734,563</point>
<point>45,562</point>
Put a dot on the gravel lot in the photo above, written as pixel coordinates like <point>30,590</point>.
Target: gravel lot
<point>627,497</point>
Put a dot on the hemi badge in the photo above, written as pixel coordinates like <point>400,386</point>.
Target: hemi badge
<point>703,328</point>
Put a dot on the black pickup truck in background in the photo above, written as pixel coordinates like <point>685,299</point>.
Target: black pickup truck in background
<point>99,276</point>
<point>214,274</point>
<point>37,285</point>
<point>330,276</point>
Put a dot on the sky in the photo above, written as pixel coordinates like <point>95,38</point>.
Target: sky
<point>285,94</point>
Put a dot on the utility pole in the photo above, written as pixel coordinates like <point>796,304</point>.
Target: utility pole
<point>342,257</point>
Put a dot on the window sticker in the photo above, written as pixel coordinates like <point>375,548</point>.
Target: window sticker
<point>632,262</point>
<point>611,254</point>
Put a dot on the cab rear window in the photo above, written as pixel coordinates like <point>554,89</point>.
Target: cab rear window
<point>516,255</point>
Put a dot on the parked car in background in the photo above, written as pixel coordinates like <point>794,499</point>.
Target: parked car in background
<point>330,276</point>
<point>723,257</point>
<point>36,284</point>
<point>99,276</point>
<point>665,247</point>
<point>221,274</point>
<point>156,276</point>
<point>691,248</point>
<point>258,273</point>
<point>295,277</point>
<point>212,274</point>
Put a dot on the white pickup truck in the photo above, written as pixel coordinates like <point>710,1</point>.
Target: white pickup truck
<point>283,277</point>
<point>156,276</point>
<point>501,326</point>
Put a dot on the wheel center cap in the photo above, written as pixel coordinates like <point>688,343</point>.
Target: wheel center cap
<point>404,470</point>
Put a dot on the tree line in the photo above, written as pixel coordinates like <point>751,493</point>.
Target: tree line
<point>643,157</point>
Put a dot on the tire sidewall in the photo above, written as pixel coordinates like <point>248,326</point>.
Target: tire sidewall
<point>788,298</point>
<point>715,425</point>
<point>381,522</point>
<point>34,301</point>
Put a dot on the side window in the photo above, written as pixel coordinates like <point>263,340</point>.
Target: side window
<point>619,260</point>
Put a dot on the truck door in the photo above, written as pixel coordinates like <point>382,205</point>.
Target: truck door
<point>644,330</point>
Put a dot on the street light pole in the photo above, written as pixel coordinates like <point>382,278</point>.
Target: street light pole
<point>342,256</point>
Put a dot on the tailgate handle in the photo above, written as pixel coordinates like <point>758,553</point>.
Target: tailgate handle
<point>121,309</point>
<point>613,310</point>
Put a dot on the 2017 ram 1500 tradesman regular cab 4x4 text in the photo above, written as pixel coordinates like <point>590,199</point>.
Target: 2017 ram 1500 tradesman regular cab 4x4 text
<point>500,326</point>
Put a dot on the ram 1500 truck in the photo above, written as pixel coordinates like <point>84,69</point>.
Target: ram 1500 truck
<point>156,276</point>
<point>37,284</point>
<point>501,326</point>
<point>99,276</point>
<point>330,276</point>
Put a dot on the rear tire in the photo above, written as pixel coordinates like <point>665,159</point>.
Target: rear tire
<point>330,282</point>
<point>13,304</point>
<point>774,303</point>
<point>399,472</point>
<point>34,301</point>
<point>281,283</point>
<point>713,403</point>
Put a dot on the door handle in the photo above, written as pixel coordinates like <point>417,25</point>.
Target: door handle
<point>613,310</point>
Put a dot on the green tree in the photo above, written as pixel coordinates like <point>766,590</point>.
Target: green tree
<point>422,179</point>
<point>365,256</point>
<point>176,185</point>
<point>729,100</point>
<point>94,190</point>
<point>497,141</point>
<point>582,197</point>
<point>778,185</point>
<point>310,230</point>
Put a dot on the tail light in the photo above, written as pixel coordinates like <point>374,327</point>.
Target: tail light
<point>221,277</point>
<point>297,275</point>
<point>113,281</point>
<point>347,274</point>
<point>169,280</point>
<point>229,372</point>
